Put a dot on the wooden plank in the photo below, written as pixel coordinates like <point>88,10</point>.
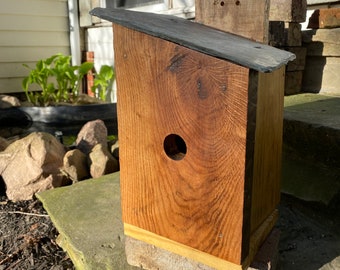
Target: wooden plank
<point>285,34</point>
<point>293,82</point>
<point>268,146</point>
<point>322,42</point>
<point>151,241</point>
<point>293,35</point>
<point>322,35</point>
<point>199,37</point>
<point>320,2</point>
<point>300,60</point>
<point>197,201</point>
<point>288,10</point>
<point>322,75</point>
<point>325,18</point>
<point>323,49</point>
<point>267,258</point>
<point>276,33</point>
<point>248,19</point>
<point>259,236</point>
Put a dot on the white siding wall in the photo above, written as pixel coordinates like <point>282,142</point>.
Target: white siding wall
<point>30,30</point>
<point>100,41</point>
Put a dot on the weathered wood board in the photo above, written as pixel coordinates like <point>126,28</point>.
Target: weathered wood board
<point>293,35</point>
<point>322,75</point>
<point>325,18</point>
<point>199,37</point>
<point>299,62</point>
<point>288,10</point>
<point>229,14</point>
<point>276,33</point>
<point>322,42</point>
<point>293,82</point>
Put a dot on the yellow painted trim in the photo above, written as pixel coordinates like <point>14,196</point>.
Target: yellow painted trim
<point>180,249</point>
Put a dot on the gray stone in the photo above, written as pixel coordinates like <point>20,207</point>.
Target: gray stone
<point>101,162</point>
<point>91,134</point>
<point>8,101</point>
<point>31,164</point>
<point>75,165</point>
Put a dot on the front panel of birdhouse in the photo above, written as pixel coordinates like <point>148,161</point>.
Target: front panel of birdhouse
<point>186,133</point>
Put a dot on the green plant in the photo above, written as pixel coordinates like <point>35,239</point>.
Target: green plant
<point>58,79</point>
<point>103,81</point>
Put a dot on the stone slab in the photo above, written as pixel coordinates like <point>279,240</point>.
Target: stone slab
<point>312,131</point>
<point>88,217</point>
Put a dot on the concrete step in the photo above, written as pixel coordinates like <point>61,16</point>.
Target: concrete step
<point>312,126</point>
<point>311,152</point>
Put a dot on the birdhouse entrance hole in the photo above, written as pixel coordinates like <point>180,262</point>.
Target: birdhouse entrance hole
<point>175,147</point>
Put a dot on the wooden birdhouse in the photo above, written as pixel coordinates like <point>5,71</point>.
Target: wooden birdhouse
<point>200,128</point>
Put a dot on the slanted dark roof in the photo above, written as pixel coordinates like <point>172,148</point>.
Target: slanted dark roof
<point>199,37</point>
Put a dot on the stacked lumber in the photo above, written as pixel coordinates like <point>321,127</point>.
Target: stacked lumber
<point>285,17</point>
<point>323,52</point>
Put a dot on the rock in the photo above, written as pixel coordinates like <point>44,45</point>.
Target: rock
<point>91,134</point>
<point>8,102</point>
<point>31,165</point>
<point>3,144</point>
<point>75,165</point>
<point>101,162</point>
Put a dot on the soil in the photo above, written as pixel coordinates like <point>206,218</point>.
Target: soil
<point>310,236</point>
<point>28,238</point>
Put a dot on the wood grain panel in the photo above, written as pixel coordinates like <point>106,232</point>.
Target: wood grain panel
<point>268,146</point>
<point>244,18</point>
<point>164,89</point>
<point>265,195</point>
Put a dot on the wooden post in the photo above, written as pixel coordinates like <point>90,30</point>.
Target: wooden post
<point>192,101</point>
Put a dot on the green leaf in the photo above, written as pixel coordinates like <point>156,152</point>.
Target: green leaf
<point>85,67</point>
